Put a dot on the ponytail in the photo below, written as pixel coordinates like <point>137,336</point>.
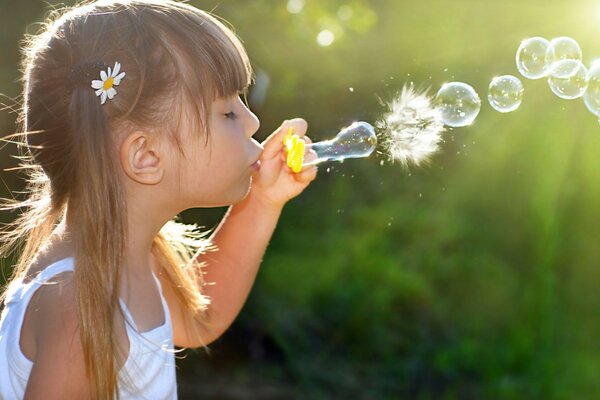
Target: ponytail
<point>98,205</point>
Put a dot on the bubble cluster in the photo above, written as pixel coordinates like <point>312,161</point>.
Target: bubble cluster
<point>531,58</point>
<point>568,79</point>
<point>505,93</point>
<point>563,48</point>
<point>415,122</point>
<point>459,104</point>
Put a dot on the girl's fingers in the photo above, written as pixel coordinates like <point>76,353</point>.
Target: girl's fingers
<point>306,175</point>
<point>310,156</point>
<point>274,143</point>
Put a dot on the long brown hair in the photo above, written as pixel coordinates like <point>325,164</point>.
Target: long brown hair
<point>175,57</point>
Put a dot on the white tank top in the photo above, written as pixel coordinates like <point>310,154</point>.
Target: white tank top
<point>148,372</point>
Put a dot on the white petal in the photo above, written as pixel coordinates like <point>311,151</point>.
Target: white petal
<point>118,78</point>
<point>116,69</point>
<point>111,93</point>
<point>99,92</point>
<point>103,76</point>
<point>103,98</point>
<point>97,84</point>
<point>109,73</point>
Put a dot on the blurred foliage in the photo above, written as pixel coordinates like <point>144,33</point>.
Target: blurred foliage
<point>474,277</point>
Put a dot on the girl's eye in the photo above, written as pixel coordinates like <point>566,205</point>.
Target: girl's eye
<point>230,115</point>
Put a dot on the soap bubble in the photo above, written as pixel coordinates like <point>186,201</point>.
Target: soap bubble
<point>591,98</point>
<point>563,48</point>
<point>458,103</point>
<point>568,79</point>
<point>356,141</point>
<point>531,58</point>
<point>505,93</point>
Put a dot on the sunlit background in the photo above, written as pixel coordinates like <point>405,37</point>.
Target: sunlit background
<point>475,277</point>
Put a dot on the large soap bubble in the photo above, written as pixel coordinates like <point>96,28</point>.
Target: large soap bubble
<point>563,48</point>
<point>505,93</point>
<point>568,79</point>
<point>591,98</point>
<point>458,103</point>
<point>531,58</point>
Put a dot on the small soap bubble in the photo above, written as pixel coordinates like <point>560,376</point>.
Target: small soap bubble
<point>458,103</point>
<point>570,85</point>
<point>505,93</point>
<point>591,98</point>
<point>351,89</point>
<point>563,48</point>
<point>355,141</point>
<point>531,58</point>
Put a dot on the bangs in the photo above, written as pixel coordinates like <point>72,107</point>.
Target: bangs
<point>209,58</point>
<point>215,61</point>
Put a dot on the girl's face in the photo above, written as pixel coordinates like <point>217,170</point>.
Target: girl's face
<point>218,172</point>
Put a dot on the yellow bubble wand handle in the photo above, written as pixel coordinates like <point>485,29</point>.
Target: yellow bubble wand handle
<point>295,150</point>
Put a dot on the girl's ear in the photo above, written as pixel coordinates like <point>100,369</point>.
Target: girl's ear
<point>142,159</point>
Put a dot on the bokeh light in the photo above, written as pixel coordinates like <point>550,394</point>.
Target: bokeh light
<point>295,6</point>
<point>325,38</point>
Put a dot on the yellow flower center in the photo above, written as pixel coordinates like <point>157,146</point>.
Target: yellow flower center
<point>109,83</point>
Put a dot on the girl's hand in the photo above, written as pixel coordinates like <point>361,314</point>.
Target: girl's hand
<point>275,183</point>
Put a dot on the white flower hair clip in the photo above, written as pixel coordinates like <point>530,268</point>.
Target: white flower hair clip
<point>105,87</point>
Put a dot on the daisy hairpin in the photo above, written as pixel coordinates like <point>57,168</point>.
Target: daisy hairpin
<point>105,87</point>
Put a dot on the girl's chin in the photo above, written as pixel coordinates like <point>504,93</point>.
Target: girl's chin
<point>234,196</point>
<point>238,197</point>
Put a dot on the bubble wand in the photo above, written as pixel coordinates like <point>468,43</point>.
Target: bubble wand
<point>356,141</point>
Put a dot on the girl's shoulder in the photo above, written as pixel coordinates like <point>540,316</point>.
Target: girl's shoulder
<point>53,253</point>
<point>50,312</point>
<point>50,337</point>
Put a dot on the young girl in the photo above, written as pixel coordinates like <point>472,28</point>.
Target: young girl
<point>132,114</point>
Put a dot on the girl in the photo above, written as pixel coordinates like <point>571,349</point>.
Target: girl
<point>131,115</point>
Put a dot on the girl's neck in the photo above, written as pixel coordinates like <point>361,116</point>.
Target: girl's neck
<point>140,236</point>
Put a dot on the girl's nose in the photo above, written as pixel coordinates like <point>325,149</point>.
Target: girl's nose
<point>251,124</point>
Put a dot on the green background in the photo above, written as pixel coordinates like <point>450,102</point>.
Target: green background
<point>474,277</point>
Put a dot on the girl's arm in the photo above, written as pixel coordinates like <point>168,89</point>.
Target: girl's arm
<point>242,238</point>
<point>58,370</point>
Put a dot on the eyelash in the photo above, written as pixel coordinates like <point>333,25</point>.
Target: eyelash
<point>230,115</point>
